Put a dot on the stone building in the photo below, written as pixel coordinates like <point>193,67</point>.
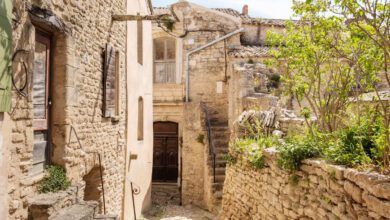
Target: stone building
<point>194,95</point>
<point>82,99</point>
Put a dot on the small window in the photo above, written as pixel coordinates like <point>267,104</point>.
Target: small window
<point>140,118</point>
<point>164,60</point>
<point>111,77</point>
<point>140,41</point>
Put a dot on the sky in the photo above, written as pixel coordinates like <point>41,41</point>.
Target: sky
<point>257,8</point>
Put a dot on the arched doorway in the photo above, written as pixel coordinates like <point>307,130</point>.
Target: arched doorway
<point>165,152</point>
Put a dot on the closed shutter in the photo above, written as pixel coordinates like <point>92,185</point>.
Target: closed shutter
<point>109,93</point>
<point>5,55</point>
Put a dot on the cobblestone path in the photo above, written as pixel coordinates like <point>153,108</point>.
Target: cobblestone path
<point>174,212</point>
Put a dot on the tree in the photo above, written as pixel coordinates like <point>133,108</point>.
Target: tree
<point>337,49</point>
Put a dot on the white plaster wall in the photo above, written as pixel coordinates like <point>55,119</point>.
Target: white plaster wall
<point>139,83</point>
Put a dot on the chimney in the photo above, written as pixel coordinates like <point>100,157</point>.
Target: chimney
<point>245,10</point>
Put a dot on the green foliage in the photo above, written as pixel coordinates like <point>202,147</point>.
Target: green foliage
<point>348,150</point>
<point>250,61</point>
<point>168,23</point>
<point>360,143</point>
<point>297,148</point>
<point>336,50</point>
<point>251,149</point>
<point>200,139</point>
<point>55,180</point>
<point>229,158</point>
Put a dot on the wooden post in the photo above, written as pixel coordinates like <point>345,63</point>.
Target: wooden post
<point>137,17</point>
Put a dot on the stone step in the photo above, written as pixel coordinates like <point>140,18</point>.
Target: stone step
<point>218,123</point>
<point>42,206</point>
<point>218,163</point>
<point>218,195</point>
<point>218,171</point>
<point>217,187</point>
<point>219,142</point>
<point>82,211</point>
<point>218,178</point>
<point>106,217</point>
<point>223,150</point>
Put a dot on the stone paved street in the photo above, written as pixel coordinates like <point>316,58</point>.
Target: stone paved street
<point>174,212</point>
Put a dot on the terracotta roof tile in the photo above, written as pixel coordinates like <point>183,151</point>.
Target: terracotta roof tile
<point>246,19</point>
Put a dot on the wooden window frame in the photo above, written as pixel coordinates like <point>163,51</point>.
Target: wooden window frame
<point>165,60</point>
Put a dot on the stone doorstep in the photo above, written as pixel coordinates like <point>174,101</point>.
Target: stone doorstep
<point>106,217</point>
<point>82,211</point>
<point>48,203</point>
<point>50,199</point>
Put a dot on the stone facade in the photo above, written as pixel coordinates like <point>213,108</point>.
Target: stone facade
<point>78,131</point>
<point>208,83</point>
<point>213,83</point>
<point>319,191</point>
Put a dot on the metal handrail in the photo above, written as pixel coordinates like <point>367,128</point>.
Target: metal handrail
<point>212,152</point>
<point>100,162</point>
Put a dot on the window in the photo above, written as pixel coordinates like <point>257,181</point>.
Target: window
<point>140,119</point>
<point>140,41</point>
<point>164,60</point>
<point>111,84</point>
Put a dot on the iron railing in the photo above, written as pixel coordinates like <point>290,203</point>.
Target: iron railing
<point>210,139</point>
<point>100,162</point>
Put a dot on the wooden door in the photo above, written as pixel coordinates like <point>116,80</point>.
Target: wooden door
<point>165,153</point>
<point>40,98</point>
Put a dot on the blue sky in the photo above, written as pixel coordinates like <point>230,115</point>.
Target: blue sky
<point>257,8</point>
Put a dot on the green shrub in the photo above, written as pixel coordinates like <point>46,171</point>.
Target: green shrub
<point>256,159</point>
<point>251,149</point>
<point>200,139</point>
<point>54,181</point>
<point>229,158</point>
<point>360,143</point>
<point>296,149</point>
<point>352,148</point>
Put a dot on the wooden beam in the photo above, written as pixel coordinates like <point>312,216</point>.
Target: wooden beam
<point>137,17</point>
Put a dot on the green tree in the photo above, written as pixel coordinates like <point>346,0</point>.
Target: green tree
<point>336,50</point>
<point>368,23</point>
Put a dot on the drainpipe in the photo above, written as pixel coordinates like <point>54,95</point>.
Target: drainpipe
<point>199,49</point>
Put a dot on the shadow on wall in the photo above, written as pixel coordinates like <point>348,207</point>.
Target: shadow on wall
<point>93,188</point>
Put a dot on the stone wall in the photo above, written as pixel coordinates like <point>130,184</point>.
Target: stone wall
<point>77,94</point>
<point>319,191</point>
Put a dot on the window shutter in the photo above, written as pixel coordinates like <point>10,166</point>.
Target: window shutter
<point>5,55</point>
<point>109,84</point>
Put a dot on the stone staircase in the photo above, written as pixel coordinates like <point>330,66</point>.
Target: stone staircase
<point>64,205</point>
<point>220,137</point>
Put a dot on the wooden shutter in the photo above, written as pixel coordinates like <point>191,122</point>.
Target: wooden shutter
<point>5,55</point>
<point>109,84</point>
